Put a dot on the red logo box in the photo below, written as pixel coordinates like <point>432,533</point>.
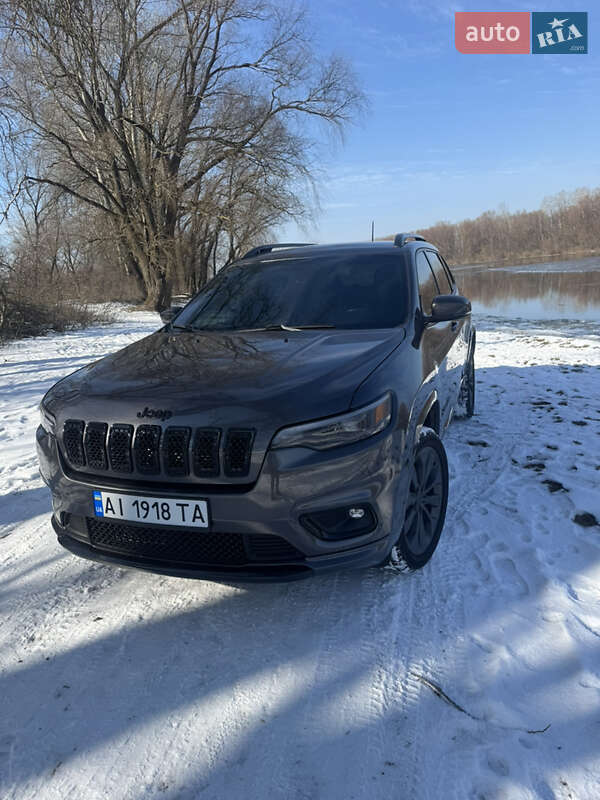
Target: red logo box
<point>492,31</point>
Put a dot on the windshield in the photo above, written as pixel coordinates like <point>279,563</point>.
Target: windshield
<point>331,291</point>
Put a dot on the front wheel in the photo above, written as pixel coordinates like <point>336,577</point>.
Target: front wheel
<point>426,503</point>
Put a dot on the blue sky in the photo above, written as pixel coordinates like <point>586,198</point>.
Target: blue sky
<point>448,135</point>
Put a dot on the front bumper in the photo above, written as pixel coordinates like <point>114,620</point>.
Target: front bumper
<point>292,483</point>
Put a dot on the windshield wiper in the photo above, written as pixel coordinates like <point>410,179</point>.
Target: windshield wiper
<point>281,327</point>
<point>182,327</point>
<point>311,327</point>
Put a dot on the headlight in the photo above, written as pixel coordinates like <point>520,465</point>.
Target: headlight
<point>48,420</point>
<point>336,431</point>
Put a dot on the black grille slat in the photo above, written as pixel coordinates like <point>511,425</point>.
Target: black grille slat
<point>119,447</point>
<point>94,442</point>
<point>205,452</point>
<point>238,450</point>
<point>175,451</point>
<point>73,441</point>
<point>146,449</point>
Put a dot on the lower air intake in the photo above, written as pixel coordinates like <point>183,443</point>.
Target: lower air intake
<point>193,547</point>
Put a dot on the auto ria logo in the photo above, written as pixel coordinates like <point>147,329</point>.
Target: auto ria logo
<point>520,32</point>
<point>154,413</point>
<point>559,33</point>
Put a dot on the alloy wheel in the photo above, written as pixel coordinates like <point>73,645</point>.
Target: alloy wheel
<point>425,499</point>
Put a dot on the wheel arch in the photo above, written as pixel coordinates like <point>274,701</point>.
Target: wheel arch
<point>472,343</point>
<point>430,415</point>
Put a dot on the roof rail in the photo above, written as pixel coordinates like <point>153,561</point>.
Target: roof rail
<point>401,238</point>
<point>268,248</point>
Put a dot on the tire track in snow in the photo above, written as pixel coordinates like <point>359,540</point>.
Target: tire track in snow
<point>470,489</point>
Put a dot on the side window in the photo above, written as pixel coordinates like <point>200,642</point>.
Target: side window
<point>448,270</point>
<point>427,286</point>
<point>440,273</point>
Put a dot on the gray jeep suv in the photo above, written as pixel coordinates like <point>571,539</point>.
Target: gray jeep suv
<point>286,421</point>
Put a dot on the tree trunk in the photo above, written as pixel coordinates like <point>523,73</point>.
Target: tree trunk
<point>158,292</point>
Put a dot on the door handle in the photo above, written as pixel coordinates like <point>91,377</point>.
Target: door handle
<point>454,325</point>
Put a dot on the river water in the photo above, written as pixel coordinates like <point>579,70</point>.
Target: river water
<point>554,290</point>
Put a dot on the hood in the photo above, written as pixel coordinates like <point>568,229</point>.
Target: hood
<point>213,378</point>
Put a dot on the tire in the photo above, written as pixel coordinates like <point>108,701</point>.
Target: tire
<point>466,400</point>
<point>425,509</point>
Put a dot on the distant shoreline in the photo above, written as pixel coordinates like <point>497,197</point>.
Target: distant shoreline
<point>544,258</point>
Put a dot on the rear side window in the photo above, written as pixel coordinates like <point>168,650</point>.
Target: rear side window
<point>440,273</point>
<point>427,286</point>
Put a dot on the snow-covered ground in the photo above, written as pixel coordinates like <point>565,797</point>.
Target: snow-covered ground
<point>122,684</point>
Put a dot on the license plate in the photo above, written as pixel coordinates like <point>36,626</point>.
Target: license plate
<point>157,510</point>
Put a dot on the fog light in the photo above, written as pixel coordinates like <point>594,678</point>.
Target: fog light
<point>340,523</point>
<point>356,513</point>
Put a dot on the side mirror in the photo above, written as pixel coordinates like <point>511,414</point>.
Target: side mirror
<point>447,307</point>
<point>169,314</point>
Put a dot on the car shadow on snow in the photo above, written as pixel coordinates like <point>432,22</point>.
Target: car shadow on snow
<point>21,505</point>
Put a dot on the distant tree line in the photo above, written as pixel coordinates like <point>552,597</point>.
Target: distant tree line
<point>567,224</point>
<point>146,143</point>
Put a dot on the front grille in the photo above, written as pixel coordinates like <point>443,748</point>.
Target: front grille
<point>149,450</point>
<point>73,441</point>
<point>185,546</point>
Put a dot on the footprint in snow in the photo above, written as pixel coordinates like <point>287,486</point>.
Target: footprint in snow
<point>498,766</point>
<point>554,486</point>
<point>528,744</point>
<point>538,466</point>
<point>586,520</point>
<point>511,576</point>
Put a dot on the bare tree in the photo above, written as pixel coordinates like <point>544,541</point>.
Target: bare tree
<point>567,224</point>
<point>145,110</point>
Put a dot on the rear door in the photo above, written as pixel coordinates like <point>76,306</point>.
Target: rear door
<point>438,339</point>
<point>458,334</point>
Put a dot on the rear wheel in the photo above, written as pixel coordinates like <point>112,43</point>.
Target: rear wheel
<point>425,510</point>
